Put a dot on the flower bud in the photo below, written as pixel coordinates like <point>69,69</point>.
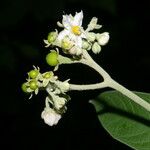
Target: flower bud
<point>96,48</point>
<point>50,116</point>
<point>75,51</point>
<point>59,102</point>
<point>91,36</point>
<point>79,51</point>
<point>52,37</point>
<point>103,38</point>
<point>85,44</point>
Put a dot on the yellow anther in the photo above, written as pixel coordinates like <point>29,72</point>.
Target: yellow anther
<point>76,30</point>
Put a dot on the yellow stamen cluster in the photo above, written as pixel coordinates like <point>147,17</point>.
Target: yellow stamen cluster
<point>76,30</point>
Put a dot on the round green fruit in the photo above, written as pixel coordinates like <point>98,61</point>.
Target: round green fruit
<point>24,87</point>
<point>33,85</point>
<point>33,74</point>
<point>52,58</point>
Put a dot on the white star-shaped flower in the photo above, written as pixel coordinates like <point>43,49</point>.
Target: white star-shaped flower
<point>73,28</point>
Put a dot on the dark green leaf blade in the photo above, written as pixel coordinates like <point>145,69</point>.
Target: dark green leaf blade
<point>123,119</point>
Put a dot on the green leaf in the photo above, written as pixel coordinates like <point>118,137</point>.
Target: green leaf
<point>125,121</point>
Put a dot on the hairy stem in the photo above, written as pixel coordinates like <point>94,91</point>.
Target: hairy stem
<point>91,63</point>
<point>108,82</point>
<point>113,84</point>
<point>88,87</point>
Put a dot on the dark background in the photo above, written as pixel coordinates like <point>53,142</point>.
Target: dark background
<point>23,26</point>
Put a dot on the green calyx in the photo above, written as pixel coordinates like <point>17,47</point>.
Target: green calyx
<point>48,75</point>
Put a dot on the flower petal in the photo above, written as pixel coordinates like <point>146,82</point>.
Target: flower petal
<point>70,20</point>
<point>50,116</point>
<point>66,21</point>
<point>72,36</point>
<point>83,35</point>
<point>62,34</point>
<point>78,41</point>
<point>57,118</point>
<point>78,19</point>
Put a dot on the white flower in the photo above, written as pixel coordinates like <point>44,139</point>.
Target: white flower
<point>50,116</point>
<point>73,28</point>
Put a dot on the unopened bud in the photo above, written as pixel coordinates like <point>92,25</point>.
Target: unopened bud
<point>59,103</point>
<point>52,37</point>
<point>96,48</point>
<point>103,38</point>
<point>91,36</point>
<point>85,44</point>
<point>75,51</point>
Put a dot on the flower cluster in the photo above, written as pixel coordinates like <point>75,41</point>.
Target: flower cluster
<point>73,39</point>
<point>36,80</point>
<point>55,102</point>
<point>57,98</point>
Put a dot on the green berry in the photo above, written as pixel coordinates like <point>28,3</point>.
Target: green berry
<point>24,87</point>
<point>33,85</point>
<point>52,58</point>
<point>33,74</point>
<point>48,75</point>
